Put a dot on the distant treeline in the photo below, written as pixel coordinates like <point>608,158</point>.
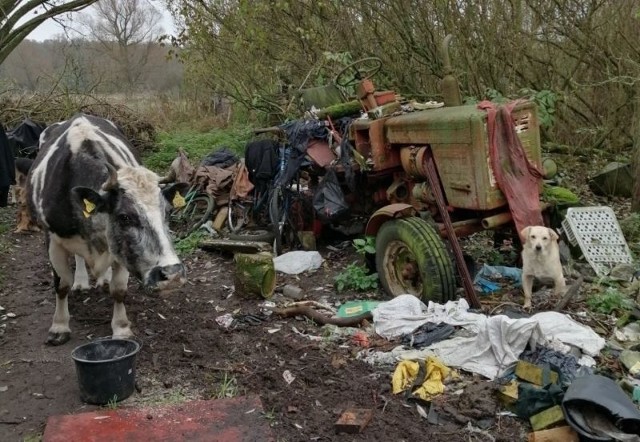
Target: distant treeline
<point>83,66</point>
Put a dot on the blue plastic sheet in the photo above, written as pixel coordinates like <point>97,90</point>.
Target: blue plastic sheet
<point>484,280</point>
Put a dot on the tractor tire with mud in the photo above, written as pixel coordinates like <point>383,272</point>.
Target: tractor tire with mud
<point>412,258</point>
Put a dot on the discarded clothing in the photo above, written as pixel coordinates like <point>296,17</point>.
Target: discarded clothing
<point>598,409</point>
<point>428,334</point>
<point>261,158</point>
<point>241,186</point>
<point>222,158</point>
<point>404,313</point>
<point>298,133</point>
<point>566,366</point>
<point>215,181</point>
<point>423,379</point>
<point>533,399</point>
<point>498,342</point>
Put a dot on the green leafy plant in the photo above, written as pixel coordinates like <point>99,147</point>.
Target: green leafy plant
<point>356,276</point>
<point>609,301</point>
<point>546,101</point>
<point>366,245</point>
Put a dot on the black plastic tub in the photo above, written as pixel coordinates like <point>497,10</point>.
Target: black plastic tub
<point>106,370</point>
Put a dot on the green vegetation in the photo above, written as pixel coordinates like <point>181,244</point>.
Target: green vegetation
<point>610,301</point>
<point>197,145</point>
<point>355,276</point>
<point>113,403</point>
<point>559,195</point>
<point>270,416</point>
<point>366,245</point>
<point>228,387</point>
<point>188,245</point>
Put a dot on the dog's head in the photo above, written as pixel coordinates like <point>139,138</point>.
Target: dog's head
<point>538,238</point>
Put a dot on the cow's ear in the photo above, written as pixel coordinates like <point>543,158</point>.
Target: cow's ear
<point>89,201</point>
<point>174,193</point>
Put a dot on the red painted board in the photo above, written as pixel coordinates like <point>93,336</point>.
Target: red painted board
<point>223,420</point>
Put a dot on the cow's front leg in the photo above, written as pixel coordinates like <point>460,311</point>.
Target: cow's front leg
<point>118,287</point>
<point>59,333</point>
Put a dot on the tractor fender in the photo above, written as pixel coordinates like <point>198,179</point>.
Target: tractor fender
<point>386,213</point>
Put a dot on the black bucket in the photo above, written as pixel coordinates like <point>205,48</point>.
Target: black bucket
<point>106,370</point>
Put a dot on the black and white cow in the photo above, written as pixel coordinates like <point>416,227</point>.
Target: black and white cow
<point>95,201</point>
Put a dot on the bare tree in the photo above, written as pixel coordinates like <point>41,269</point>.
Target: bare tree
<point>126,31</point>
<point>18,18</point>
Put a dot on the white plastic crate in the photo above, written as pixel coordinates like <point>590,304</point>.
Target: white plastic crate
<point>597,232</point>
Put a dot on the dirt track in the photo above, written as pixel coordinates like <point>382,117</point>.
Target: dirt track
<point>186,354</point>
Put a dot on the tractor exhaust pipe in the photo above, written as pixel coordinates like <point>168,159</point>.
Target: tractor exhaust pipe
<point>449,84</point>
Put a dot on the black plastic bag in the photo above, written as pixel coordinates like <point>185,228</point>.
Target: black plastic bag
<point>328,201</point>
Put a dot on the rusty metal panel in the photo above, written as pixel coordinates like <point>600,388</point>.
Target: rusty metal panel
<point>433,126</point>
<point>371,142</point>
<point>459,140</point>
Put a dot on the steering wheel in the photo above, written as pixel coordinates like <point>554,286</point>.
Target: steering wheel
<point>358,70</point>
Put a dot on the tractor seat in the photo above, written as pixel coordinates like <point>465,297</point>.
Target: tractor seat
<point>321,96</point>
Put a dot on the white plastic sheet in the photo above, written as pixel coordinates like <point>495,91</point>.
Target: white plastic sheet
<point>297,261</point>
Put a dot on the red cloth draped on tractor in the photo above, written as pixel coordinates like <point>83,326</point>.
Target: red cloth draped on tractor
<point>517,177</point>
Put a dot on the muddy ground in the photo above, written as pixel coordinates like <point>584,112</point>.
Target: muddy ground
<point>186,354</point>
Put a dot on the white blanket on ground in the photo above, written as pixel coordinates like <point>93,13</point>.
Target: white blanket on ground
<point>498,340</point>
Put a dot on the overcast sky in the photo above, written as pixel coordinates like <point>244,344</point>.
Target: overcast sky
<point>51,28</point>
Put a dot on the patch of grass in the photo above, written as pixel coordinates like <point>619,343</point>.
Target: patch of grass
<point>227,388</point>
<point>196,144</point>
<point>188,245</point>
<point>270,416</point>
<point>32,438</point>
<point>356,276</point>
<point>609,301</point>
<point>113,403</point>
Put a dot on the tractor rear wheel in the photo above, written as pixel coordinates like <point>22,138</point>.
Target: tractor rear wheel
<point>412,258</point>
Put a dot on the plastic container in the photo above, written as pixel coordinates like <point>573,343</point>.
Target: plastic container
<point>106,370</point>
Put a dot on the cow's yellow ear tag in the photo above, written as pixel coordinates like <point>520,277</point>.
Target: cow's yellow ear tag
<point>88,208</point>
<point>178,201</point>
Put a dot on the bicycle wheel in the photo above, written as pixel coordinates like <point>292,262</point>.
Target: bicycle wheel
<point>238,215</point>
<point>189,218</point>
<point>277,217</point>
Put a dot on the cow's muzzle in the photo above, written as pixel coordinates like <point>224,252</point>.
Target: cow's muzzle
<point>165,277</point>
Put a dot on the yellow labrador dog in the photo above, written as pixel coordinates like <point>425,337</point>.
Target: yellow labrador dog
<point>541,259</point>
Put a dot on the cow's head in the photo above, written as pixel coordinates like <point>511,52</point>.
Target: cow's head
<point>137,232</point>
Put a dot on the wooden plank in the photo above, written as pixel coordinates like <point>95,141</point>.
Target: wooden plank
<point>564,434</point>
